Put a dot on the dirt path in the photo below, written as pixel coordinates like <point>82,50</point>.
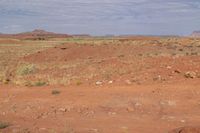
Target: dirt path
<point>100,109</point>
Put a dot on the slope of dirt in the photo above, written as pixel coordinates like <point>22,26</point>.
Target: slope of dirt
<point>137,62</point>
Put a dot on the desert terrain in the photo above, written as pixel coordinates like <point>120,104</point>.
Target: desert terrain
<point>65,84</point>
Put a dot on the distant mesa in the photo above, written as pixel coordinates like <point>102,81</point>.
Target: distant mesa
<point>195,34</point>
<point>82,35</point>
<point>37,34</point>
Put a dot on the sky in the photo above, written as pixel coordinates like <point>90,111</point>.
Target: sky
<point>101,17</point>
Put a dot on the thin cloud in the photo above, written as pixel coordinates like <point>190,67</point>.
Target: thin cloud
<point>102,17</point>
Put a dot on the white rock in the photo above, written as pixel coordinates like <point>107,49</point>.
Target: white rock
<point>99,83</point>
<point>110,82</point>
<point>169,67</point>
<point>63,110</point>
<point>183,121</point>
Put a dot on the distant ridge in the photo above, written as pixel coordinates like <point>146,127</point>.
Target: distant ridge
<point>37,34</point>
<point>195,34</point>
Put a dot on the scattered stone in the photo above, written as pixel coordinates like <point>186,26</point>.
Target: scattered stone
<point>112,113</point>
<point>130,109</point>
<point>6,81</point>
<point>190,75</point>
<point>94,130</point>
<point>168,118</point>
<point>189,129</point>
<point>42,129</point>
<point>62,110</point>
<point>138,104</point>
<point>128,82</point>
<point>110,82</point>
<point>99,83</point>
<point>89,113</point>
<point>169,67</point>
<point>63,48</point>
<point>183,121</point>
<point>177,71</point>
<point>124,128</point>
<point>158,78</point>
<point>198,75</point>
<point>169,103</point>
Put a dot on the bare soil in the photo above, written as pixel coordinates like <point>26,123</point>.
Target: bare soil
<point>131,85</point>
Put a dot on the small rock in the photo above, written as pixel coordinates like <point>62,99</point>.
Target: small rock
<point>110,82</point>
<point>124,128</point>
<point>99,83</point>
<point>183,121</point>
<point>188,129</point>
<point>62,110</point>
<point>94,130</point>
<point>171,103</point>
<point>169,67</point>
<point>42,129</point>
<point>169,118</point>
<point>138,104</point>
<point>177,71</point>
<point>190,75</point>
<point>128,82</point>
<point>157,78</point>
<point>130,109</point>
<point>112,113</point>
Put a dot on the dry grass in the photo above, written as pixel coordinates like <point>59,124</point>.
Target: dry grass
<point>64,73</point>
<point>26,69</point>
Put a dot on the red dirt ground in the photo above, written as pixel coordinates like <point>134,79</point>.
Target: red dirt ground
<point>150,92</point>
<point>95,109</point>
<point>140,63</point>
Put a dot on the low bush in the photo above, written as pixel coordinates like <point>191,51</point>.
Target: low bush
<point>4,125</point>
<point>26,69</point>
<point>40,83</point>
<point>55,92</point>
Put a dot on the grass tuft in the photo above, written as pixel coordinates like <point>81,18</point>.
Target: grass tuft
<point>4,125</point>
<point>40,83</point>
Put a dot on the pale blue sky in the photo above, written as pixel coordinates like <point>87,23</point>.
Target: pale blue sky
<point>99,17</point>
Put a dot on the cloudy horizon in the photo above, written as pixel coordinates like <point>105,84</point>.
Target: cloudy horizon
<point>95,17</point>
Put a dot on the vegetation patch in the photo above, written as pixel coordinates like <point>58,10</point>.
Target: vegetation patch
<point>26,69</point>
<point>4,125</point>
<point>40,83</point>
<point>55,92</point>
<point>79,83</point>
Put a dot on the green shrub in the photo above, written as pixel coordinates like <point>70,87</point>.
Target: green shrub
<point>4,125</point>
<point>40,83</point>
